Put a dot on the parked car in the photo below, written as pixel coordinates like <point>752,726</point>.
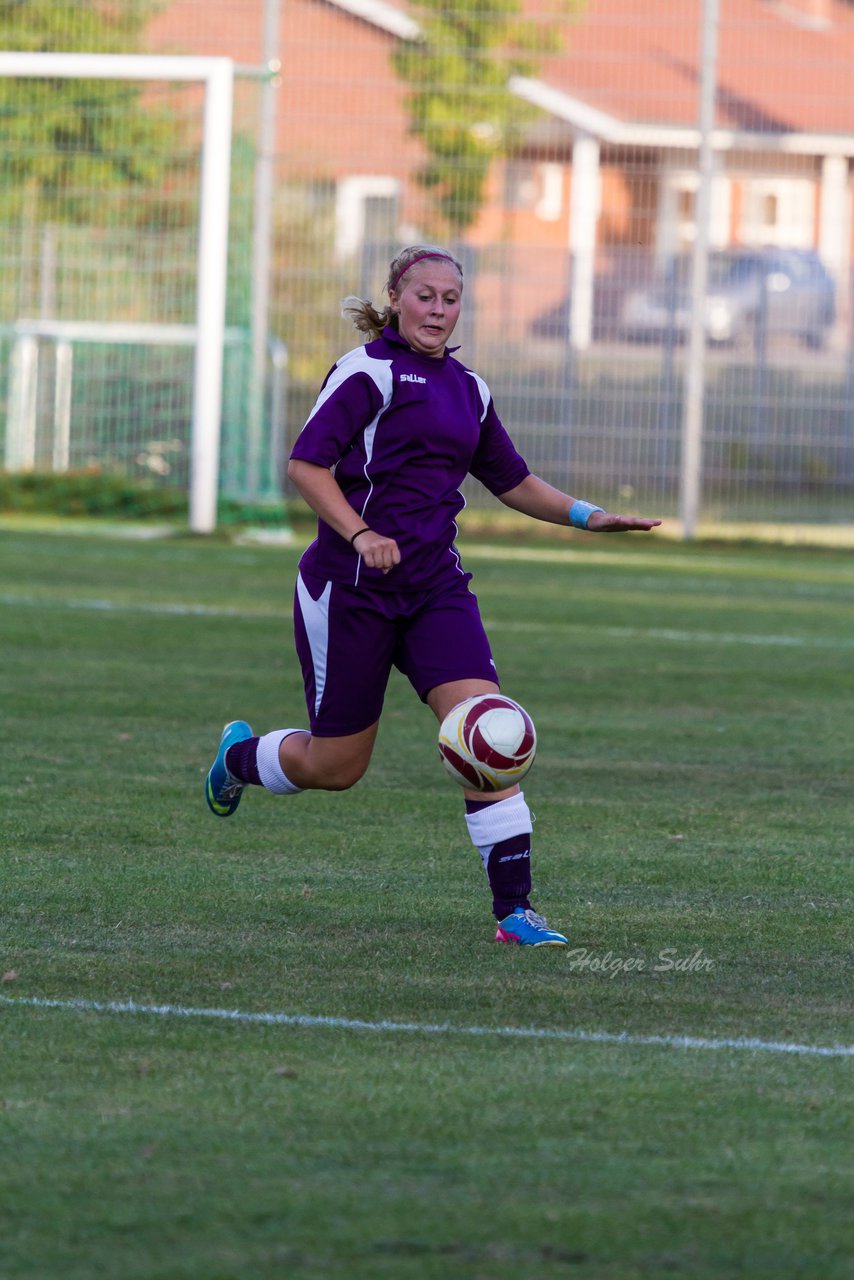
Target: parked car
<point>623,268</point>
<point>783,291</point>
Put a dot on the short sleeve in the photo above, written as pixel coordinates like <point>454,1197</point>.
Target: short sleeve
<point>354,393</point>
<point>497,464</point>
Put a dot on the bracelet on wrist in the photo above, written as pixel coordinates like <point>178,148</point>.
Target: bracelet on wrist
<point>580,512</point>
<point>357,533</point>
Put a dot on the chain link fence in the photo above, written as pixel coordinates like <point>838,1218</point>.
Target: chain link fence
<point>553,146</point>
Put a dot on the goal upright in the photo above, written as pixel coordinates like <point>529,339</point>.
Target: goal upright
<point>208,336</point>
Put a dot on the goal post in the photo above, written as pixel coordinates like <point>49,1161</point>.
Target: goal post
<point>216,76</point>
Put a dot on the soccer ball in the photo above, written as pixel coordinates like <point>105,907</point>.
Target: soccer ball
<point>487,742</point>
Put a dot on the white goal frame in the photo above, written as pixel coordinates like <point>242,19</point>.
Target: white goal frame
<point>216,75</point>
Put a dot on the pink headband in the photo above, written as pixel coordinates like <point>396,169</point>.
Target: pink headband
<point>420,258</point>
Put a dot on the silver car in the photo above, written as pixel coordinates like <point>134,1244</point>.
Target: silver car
<point>750,294</point>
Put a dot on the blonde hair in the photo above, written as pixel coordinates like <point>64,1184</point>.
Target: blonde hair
<point>364,316</point>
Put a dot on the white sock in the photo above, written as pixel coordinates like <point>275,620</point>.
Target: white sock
<point>499,821</point>
<point>273,777</point>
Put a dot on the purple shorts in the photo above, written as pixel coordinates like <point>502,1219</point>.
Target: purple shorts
<point>349,638</point>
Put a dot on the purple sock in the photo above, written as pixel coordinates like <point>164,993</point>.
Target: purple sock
<point>241,761</point>
<point>509,872</point>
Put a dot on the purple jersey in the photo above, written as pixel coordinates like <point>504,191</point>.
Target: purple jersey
<point>402,431</point>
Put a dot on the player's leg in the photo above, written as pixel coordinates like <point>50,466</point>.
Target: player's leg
<point>500,828</point>
<point>345,650</point>
<point>285,762</point>
<point>442,698</point>
<point>328,764</point>
<point>447,658</point>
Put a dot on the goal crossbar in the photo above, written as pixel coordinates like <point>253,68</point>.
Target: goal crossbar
<point>216,75</point>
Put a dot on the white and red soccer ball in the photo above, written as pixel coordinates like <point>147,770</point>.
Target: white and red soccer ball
<point>487,742</point>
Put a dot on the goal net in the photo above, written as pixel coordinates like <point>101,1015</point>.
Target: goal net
<point>124,319</point>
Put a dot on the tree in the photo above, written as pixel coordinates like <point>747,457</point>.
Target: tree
<point>459,102</point>
<point>68,144</point>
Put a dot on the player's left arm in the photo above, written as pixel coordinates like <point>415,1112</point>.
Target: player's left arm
<point>536,498</point>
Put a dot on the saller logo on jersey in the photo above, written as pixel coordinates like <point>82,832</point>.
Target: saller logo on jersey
<point>412,377</point>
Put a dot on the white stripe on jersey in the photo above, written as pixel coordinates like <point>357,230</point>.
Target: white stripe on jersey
<point>485,393</point>
<point>356,361</point>
<point>370,435</point>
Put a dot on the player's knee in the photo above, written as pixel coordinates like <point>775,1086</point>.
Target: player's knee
<point>344,774</point>
<point>336,764</point>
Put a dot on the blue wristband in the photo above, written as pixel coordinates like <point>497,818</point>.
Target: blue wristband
<point>580,512</point>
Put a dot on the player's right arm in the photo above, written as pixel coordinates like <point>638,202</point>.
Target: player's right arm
<point>356,389</point>
<point>318,487</point>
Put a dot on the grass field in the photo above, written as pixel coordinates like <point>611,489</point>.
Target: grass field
<point>694,836</point>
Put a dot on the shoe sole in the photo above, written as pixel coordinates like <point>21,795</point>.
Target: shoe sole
<point>512,939</point>
<point>220,811</point>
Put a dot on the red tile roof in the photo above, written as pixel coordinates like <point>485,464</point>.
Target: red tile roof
<point>783,65</point>
<point>639,60</point>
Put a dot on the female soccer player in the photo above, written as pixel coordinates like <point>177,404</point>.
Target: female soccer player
<point>398,425</point>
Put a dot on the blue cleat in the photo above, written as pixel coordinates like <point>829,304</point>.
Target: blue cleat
<point>222,789</point>
<point>528,929</point>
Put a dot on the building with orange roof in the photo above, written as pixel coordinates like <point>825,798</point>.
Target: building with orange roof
<point>608,171</point>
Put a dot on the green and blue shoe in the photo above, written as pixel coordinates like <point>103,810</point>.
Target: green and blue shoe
<point>222,789</point>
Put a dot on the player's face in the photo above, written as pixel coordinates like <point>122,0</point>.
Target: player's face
<point>429,306</point>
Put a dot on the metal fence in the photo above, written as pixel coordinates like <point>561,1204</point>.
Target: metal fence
<point>562,167</point>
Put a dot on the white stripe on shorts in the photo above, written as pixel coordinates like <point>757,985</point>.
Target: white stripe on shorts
<point>315,615</point>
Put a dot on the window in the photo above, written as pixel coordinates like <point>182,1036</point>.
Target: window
<point>778,211</point>
<point>535,187</point>
<point>366,211</point>
<point>677,229</point>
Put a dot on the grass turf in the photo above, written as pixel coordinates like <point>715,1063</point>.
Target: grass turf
<point>693,803</point>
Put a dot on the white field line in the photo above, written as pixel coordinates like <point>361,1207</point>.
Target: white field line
<point>677,636</point>
<point>744,566</point>
<point>384,1026</point>
<point>673,635</point>
<point>165,609</point>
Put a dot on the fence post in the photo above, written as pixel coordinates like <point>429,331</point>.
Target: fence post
<point>262,240</point>
<point>583,216</point>
<point>23,399</point>
<point>692,434</point>
<point>64,357</point>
